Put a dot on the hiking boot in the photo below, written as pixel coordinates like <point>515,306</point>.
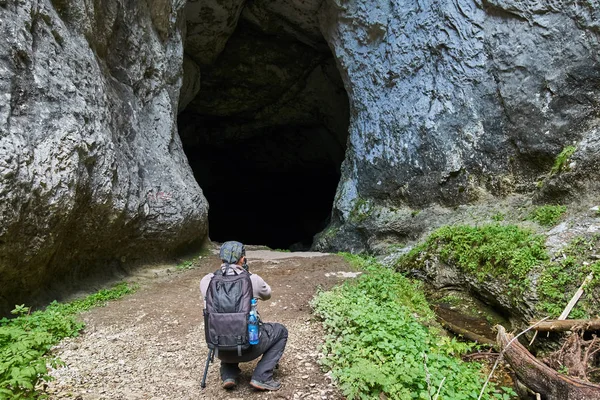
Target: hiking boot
<point>271,384</point>
<point>229,383</point>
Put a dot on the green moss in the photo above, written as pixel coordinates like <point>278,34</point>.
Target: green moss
<point>514,255</point>
<point>361,211</point>
<point>560,164</point>
<point>547,215</point>
<point>496,250</point>
<point>330,232</point>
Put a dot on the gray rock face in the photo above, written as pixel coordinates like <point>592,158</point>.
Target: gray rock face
<point>209,26</point>
<point>456,102</point>
<point>92,171</point>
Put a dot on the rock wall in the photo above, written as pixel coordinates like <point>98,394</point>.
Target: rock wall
<point>450,103</point>
<point>92,172</point>
<point>455,102</point>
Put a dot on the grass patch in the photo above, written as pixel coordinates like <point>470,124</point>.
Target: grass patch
<point>26,339</point>
<point>378,345</point>
<point>547,215</point>
<point>560,164</point>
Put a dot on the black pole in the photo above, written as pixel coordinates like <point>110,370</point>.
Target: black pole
<point>211,352</point>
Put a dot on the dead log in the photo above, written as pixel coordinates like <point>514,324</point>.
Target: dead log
<point>567,325</point>
<point>539,377</point>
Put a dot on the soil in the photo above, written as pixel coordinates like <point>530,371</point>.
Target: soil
<point>150,345</point>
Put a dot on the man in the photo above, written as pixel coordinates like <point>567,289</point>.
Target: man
<point>273,336</point>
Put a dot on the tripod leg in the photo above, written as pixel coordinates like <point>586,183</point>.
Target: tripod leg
<point>211,353</point>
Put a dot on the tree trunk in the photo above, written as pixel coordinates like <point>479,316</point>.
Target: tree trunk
<point>539,377</point>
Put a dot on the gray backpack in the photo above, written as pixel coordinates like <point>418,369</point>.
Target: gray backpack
<point>227,308</point>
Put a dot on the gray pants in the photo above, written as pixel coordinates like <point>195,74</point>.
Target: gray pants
<point>273,338</point>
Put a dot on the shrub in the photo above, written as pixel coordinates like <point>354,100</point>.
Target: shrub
<point>26,339</point>
<point>378,344</point>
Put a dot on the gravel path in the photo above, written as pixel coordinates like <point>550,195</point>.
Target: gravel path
<point>150,345</point>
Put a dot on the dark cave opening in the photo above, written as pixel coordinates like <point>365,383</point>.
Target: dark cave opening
<point>265,136</point>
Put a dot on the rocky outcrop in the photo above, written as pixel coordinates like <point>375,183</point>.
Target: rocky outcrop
<point>92,172</point>
<point>450,103</point>
<point>458,102</point>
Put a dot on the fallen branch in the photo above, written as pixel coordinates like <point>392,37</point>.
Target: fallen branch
<point>541,378</point>
<point>568,325</point>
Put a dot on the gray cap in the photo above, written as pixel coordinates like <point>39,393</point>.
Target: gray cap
<point>232,251</point>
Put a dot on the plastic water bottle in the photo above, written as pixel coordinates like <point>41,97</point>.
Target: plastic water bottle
<point>253,323</point>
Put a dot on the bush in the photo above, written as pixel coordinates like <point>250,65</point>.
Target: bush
<point>26,339</point>
<point>378,344</point>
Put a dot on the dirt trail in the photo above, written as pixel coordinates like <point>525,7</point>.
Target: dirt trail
<point>150,345</point>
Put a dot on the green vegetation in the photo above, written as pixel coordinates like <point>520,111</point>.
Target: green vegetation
<point>451,299</point>
<point>191,262</point>
<point>361,211</point>
<point>560,279</point>
<point>185,265</point>
<point>514,255</point>
<point>378,345</point>
<point>547,215</point>
<point>498,217</point>
<point>25,340</point>
<point>560,164</point>
<point>501,251</point>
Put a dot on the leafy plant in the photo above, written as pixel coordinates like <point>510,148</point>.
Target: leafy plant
<point>378,344</point>
<point>26,339</point>
<point>547,215</point>
<point>560,164</point>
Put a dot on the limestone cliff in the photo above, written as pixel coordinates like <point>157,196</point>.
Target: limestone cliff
<point>444,104</point>
<point>92,172</point>
<point>455,102</point>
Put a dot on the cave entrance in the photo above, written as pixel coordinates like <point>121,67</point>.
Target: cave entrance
<point>265,136</point>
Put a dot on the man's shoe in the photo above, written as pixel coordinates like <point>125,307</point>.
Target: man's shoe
<point>271,384</point>
<point>229,383</point>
